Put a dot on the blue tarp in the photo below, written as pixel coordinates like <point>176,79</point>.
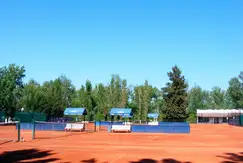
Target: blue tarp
<point>126,112</point>
<point>153,115</point>
<point>161,129</point>
<point>75,111</point>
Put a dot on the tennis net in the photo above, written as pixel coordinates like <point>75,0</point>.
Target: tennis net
<point>48,130</point>
<point>9,132</point>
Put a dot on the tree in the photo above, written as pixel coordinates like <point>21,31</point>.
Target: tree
<point>173,103</point>
<point>115,91</point>
<point>33,98</point>
<point>58,96</point>
<point>101,100</point>
<point>124,95</point>
<point>11,86</point>
<point>201,99</point>
<point>241,76</point>
<point>217,96</point>
<point>99,94</point>
<point>157,103</point>
<point>143,96</point>
<point>146,99</point>
<point>90,104</point>
<point>175,96</point>
<point>228,103</point>
<point>197,99</point>
<point>79,98</point>
<point>235,92</point>
<point>138,99</point>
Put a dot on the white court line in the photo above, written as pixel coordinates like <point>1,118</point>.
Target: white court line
<point>117,159</point>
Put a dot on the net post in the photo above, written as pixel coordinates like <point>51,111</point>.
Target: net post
<point>18,127</point>
<point>33,130</point>
<point>84,123</point>
<point>95,126</point>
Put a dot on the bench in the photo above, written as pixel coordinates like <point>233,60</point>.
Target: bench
<point>153,123</point>
<point>74,126</point>
<point>124,128</point>
<point>127,123</point>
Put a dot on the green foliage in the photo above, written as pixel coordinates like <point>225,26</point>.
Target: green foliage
<point>60,92</point>
<point>217,96</point>
<point>100,96</point>
<point>175,96</point>
<point>100,117</point>
<point>235,91</point>
<point>192,118</point>
<point>173,103</point>
<point>197,99</point>
<point>124,95</point>
<point>33,98</point>
<point>11,86</point>
<point>143,96</point>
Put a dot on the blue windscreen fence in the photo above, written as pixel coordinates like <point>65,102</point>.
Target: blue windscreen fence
<point>173,124</point>
<point>162,127</point>
<point>43,126</point>
<point>107,123</point>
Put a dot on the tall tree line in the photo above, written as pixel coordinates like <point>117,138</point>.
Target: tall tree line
<point>174,102</point>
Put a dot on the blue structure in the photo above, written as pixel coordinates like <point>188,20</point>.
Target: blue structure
<point>124,112</point>
<point>153,115</point>
<point>75,111</point>
<point>163,127</point>
<point>127,116</point>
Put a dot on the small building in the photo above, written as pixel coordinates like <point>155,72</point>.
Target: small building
<point>215,116</point>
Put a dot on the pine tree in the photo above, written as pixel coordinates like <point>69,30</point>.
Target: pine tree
<point>175,96</point>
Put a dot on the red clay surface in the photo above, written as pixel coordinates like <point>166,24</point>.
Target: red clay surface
<point>205,144</point>
<point>7,133</point>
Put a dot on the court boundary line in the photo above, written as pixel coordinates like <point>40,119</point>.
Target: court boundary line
<point>118,158</point>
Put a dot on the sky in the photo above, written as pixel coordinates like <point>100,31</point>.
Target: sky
<point>139,40</point>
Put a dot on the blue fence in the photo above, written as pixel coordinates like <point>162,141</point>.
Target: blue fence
<point>26,126</point>
<point>173,124</point>
<point>162,127</point>
<point>106,123</point>
<point>43,126</point>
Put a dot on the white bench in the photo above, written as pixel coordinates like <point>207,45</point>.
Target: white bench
<point>126,128</point>
<point>153,123</point>
<point>127,123</point>
<point>74,126</point>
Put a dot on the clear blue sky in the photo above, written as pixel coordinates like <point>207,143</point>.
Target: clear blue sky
<point>138,39</point>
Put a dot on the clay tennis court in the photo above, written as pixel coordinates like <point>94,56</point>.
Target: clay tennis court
<point>205,144</point>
